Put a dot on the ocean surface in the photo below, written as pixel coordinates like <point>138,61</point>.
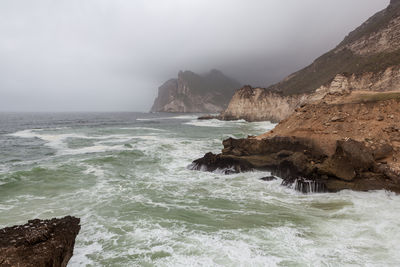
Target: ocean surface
<point>125,176</point>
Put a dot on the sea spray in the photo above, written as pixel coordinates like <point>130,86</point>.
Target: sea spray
<point>139,204</point>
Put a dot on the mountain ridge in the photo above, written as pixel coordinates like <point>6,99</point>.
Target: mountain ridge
<point>368,58</point>
<point>345,58</point>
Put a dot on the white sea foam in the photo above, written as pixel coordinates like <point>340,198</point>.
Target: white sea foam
<point>215,123</point>
<point>258,126</point>
<point>181,117</point>
<point>59,141</point>
<point>148,209</point>
<point>143,128</point>
<point>264,125</point>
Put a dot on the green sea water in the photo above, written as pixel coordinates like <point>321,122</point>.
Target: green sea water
<point>125,175</point>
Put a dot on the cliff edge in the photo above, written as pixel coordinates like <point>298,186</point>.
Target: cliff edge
<point>191,92</point>
<point>367,59</point>
<point>346,140</point>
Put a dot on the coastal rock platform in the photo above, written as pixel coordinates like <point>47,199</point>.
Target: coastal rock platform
<point>345,141</point>
<point>39,243</point>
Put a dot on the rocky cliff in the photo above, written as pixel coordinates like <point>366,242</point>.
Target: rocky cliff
<point>344,131</point>
<point>39,243</point>
<point>367,59</point>
<point>258,104</point>
<point>191,92</point>
<point>347,140</point>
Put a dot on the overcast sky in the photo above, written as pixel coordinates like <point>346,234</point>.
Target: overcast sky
<point>111,55</point>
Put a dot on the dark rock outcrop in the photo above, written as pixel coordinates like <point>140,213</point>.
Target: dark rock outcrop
<point>325,146</point>
<point>268,178</point>
<point>39,243</point>
<point>298,162</point>
<point>208,117</point>
<point>191,92</point>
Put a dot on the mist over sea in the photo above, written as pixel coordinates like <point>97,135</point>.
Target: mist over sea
<point>125,176</point>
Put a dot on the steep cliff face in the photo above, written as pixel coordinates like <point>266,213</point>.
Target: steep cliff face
<point>258,104</point>
<point>367,59</point>
<point>387,80</point>
<point>191,92</point>
<point>344,130</point>
<point>343,141</point>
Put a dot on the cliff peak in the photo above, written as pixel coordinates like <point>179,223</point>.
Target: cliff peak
<point>192,92</point>
<point>215,72</point>
<point>372,47</point>
<point>368,58</point>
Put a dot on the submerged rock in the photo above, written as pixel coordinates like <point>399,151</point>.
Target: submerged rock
<point>306,186</point>
<point>39,242</point>
<point>207,117</point>
<point>268,178</point>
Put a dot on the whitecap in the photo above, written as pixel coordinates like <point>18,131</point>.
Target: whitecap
<point>58,141</point>
<point>143,128</point>
<point>214,123</point>
<point>262,127</point>
<point>180,117</point>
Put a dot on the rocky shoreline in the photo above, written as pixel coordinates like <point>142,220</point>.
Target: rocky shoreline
<point>260,104</point>
<point>39,243</point>
<point>339,117</point>
<point>344,141</point>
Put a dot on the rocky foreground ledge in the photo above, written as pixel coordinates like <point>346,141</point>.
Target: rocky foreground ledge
<point>39,242</point>
<point>345,141</point>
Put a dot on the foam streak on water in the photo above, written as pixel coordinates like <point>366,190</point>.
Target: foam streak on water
<point>141,206</point>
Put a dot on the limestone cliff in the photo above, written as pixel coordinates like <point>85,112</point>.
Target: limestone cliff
<point>191,92</point>
<point>343,141</point>
<point>387,80</point>
<point>367,59</point>
<point>258,104</point>
<point>343,131</point>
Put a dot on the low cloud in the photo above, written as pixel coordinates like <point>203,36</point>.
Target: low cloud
<point>103,55</point>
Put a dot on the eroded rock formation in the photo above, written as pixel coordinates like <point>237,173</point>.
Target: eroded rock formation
<point>343,141</point>
<point>195,93</point>
<point>258,104</point>
<point>39,243</point>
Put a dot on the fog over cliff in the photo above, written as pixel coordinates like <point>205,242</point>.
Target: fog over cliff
<point>111,55</point>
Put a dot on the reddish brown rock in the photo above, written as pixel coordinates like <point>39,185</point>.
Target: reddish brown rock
<point>39,243</point>
<point>355,152</point>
